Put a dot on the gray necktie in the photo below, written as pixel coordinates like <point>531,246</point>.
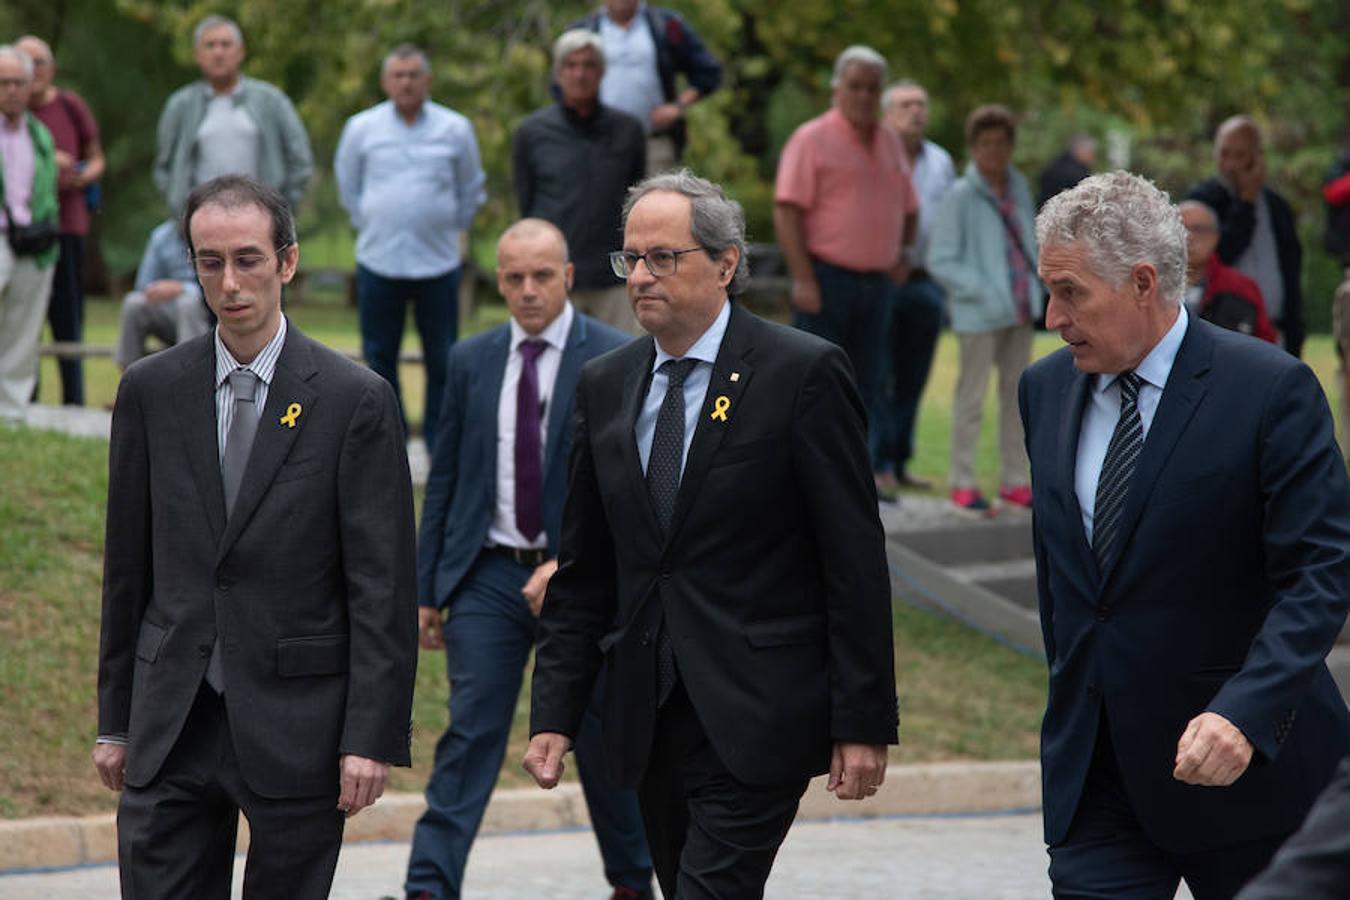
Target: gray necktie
<point>663,483</point>
<point>1117,471</point>
<point>238,444</point>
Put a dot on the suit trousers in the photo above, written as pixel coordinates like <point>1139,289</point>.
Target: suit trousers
<point>1107,856</point>
<point>1008,349</point>
<point>711,835</point>
<point>488,636</point>
<point>176,836</point>
<point>382,310</point>
<point>911,339</point>
<point>853,315</point>
<point>24,288</point>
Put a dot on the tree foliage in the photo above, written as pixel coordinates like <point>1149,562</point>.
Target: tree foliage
<point>1163,72</point>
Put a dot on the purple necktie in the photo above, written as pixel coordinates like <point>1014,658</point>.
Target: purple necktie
<point>529,449</point>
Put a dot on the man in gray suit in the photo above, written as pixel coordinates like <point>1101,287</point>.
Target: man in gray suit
<point>259,628</point>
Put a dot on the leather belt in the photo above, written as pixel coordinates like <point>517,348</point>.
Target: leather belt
<point>525,556</point>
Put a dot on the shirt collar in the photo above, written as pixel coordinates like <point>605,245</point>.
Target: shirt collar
<point>234,92</point>
<point>706,347</point>
<point>264,365</point>
<point>637,16</point>
<point>554,333</point>
<point>1157,365</point>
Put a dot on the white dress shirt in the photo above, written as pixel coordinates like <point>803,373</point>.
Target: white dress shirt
<point>503,531</point>
<point>1103,412</point>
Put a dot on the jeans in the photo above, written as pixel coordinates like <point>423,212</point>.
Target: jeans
<point>853,310</point>
<point>382,304</point>
<point>488,637</point>
<point>911,339</point>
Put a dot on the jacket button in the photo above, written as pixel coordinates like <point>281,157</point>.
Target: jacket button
<point>646,638</point>
<point>1103,614</point>
<point>1093,690</point>
<point>203,650</point>
<point>223,585</point>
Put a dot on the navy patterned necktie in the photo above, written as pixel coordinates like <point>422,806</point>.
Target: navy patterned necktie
<point>663,484</point>
<point>1117,471</point>
<point>667,453</point>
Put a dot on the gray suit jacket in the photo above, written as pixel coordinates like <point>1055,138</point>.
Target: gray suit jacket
<point>309,584</point>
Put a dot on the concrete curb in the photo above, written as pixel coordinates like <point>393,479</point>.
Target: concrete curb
<point>923,789</point>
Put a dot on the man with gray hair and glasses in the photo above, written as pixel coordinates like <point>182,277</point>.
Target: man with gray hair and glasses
<point>1192,539</point>
<point>722,555</point>
<point>228,124</point>
<point>572,161</point>
<point>409,176</point>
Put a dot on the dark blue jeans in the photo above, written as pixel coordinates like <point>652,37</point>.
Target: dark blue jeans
<point>853,309</point>
<point>382,307</point>
<point>488,637</point>
<point>911,338</point>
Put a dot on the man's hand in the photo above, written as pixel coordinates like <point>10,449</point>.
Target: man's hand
<point>899,272</point>
<point>534,588</point>
<point>544,758</point>
<point>111,762</point>
<point>362,782</point>
<point>856,770</point>
<point>162,290</point>
<point>429,628</point>
<point>1212,751</point>
<point>806,295</point>
<point>665,115</point>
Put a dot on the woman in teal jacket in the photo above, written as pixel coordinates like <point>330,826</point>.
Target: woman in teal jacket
<point>982,251</point>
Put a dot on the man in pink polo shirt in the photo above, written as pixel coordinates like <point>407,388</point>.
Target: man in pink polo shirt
<point>843,209</point>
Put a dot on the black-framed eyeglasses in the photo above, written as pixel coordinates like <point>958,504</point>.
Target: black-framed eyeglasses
<point>212,266</point>
<point>660,261</point>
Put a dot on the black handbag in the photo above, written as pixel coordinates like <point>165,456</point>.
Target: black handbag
<point>30,240</point>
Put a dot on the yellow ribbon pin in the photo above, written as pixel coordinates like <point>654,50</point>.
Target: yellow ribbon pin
<point>292,413</point>
<point>720,407</point>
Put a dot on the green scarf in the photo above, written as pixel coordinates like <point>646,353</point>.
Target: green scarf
<point>43,200</point>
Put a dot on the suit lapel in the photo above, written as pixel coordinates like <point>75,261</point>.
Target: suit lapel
<point>1071,425</point>
<point>273,442</point>
<point>488,398</point>
<point>636,384</point>
<point>1181,395</point>
<point>723,399</point>
<point>564,386</point>
<point>194,396</point>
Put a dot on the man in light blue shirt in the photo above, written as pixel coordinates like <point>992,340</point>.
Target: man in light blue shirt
<point>409,176</point>
<point>167,301</point>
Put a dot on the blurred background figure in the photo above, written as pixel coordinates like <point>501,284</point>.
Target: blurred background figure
<point>916,303</point>
<point>983,252</point>
<point>1257,233</point>
<point>1216,292</point>
<point>1336,192</point>
<point>229,124</point>
<point>79,164</point>
<point>572,162</point>
<point>1069,168</point>
<point>167,302</point>
<point>409,175</point>
<point>646,48</point>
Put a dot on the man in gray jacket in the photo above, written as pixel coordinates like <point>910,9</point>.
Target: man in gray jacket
<point>228,124</point>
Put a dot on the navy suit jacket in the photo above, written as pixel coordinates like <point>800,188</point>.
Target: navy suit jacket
<point>1231,586</point>
<point>461,493</point>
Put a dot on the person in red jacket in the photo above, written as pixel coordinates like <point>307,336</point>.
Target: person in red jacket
<point>1214,291</point>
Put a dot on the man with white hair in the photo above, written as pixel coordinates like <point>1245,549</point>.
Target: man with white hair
<point>571,162</point>
<point>28,220</point>
<point>1215,292</point>
<point>844,207</point>
<point>1257,232</point>
<point>409,175</point>
<point>228,124</point>
<point>1192,539</point>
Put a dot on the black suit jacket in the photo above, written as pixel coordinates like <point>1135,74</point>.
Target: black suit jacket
<point>309,584</point>
<point>1230,587</point>
<point>772,580</point>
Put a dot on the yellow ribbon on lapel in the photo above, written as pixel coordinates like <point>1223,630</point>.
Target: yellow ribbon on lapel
<point>292,413</point>
<point>720,407</point>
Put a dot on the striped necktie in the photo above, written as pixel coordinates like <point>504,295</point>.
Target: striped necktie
<point>1117,470</point>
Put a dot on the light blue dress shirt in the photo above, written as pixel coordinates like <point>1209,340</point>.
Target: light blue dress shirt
<point>409,189</point>
<point>166,258</point>
<point>695,387</point>
<point>1103,412</point>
